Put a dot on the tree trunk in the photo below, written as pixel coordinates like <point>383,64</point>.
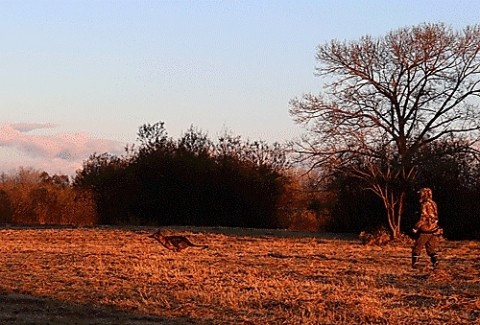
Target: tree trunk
<point>394,205</point>
<point>395,217</point>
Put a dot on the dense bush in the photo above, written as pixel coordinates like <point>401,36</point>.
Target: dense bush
<point>189,181</point>
<point>451,168</point>
<point>303,207</point>
<point>232,182</point>
<point>34,198</point>
<point>354,208</point>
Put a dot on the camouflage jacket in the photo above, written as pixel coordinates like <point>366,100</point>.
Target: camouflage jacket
<point>428,222</point>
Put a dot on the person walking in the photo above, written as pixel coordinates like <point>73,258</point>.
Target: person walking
<point>427,229</point>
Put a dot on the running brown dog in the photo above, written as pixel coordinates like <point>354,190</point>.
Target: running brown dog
<point>174,243</point>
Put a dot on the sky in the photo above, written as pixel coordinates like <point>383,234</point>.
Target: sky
<point>79,77</point>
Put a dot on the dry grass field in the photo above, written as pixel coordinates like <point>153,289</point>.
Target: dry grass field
<point>120,276</point>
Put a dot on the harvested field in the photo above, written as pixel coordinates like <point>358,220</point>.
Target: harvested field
<point>120,276</point>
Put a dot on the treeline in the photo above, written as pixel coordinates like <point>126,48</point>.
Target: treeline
<point>35,198</point>
<point>232,182</point>
<point>450,167</point>
<point>188,181</point>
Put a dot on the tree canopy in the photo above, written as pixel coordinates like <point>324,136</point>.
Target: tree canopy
<point>387,97</point>
<point>189,181</point>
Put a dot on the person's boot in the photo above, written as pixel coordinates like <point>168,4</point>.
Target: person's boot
<point>434,259</point>
<point>415,261</point>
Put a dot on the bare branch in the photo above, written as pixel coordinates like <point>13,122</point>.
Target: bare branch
<point>387,98</point>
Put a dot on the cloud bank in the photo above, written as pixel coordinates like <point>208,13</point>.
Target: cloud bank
<point>54,153</point>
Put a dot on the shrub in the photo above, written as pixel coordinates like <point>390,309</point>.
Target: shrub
<point>382,236</point>
<point>189,181</point>
<point>35,198</point>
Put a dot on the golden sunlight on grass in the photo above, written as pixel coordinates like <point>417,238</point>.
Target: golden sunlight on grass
<point>242,278</point>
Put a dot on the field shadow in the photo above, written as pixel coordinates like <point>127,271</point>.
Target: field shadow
<point>322,257</point>
<point>16,308</point>
<point>322,237</point>
<point>266,233</point>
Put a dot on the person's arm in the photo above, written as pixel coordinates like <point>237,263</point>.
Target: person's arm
<point>418,225</point>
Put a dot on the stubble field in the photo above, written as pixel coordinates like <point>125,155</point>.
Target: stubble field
<point>120,276</point>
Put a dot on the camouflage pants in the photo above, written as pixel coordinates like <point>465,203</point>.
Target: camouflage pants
<point>430,242</point>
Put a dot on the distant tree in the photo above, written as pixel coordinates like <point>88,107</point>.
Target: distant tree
<point>60,180</point>
<point>259,153</point>
<point>104,175</point>
<point>6,209</point>
<point>251,180</point>
<point>34,197</point>
<point>152,136</point>
<point>189,181</point>
<point>386,98</point>
<point>196,142</point>
<point>452,168</point>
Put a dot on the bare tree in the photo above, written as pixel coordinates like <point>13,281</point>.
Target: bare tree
<point>385,98</point>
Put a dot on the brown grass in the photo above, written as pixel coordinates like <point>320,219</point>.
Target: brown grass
<point>249,278</point>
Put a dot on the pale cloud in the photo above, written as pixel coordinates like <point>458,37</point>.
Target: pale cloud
<point>54,153</point>
<point>26,127</point>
